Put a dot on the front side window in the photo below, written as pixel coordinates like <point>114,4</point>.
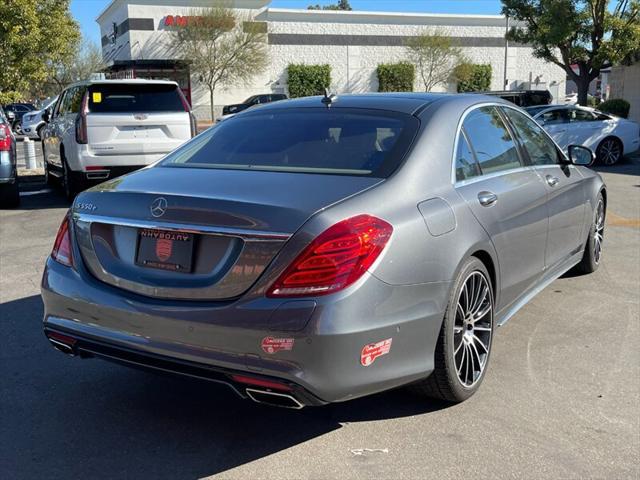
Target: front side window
<point>306,140</point>
<point>539,147</point>
<point>466,164</point>
<point>491,140</point>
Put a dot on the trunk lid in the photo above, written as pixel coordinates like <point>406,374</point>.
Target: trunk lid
<point>142,133</point>
<point>136,118</point>
<point>239,219</point>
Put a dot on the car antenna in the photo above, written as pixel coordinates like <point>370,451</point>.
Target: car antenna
<point>328,98</point>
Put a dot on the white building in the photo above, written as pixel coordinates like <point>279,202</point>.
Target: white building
<point>136,34</point>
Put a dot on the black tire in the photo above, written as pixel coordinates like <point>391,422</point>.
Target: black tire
<point>9,195</point>
<point>39,132</point>
<point>69,183</point>
<point>592,255</point>
<point>48,178</point>
<point>609,151</point>
<point>445,383</point>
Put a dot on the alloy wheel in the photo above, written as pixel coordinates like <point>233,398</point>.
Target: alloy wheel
<point>610,152</point>
<point>598,231</point>
<point>472,329</point>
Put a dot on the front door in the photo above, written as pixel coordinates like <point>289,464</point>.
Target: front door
<point>565,189</point>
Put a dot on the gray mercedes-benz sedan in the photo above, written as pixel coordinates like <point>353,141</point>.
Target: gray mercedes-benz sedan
<point>322,249</point>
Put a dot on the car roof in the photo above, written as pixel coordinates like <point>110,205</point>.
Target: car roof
<point>402,102</point>
<point>133,81</point>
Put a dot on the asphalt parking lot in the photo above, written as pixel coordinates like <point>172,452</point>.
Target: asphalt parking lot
<point>561,399</point>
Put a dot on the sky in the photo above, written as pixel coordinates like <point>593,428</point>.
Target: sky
<point>86,11</point>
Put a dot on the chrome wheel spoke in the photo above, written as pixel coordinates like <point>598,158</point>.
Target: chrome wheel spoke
<point>473,327</point>
<point>484,347</point>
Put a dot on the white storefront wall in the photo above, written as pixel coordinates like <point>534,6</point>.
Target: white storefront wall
<point>353,43</point>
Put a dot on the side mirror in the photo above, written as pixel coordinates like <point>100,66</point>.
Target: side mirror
<point>11,116</point>
<point>46,115</point>
<point>579,155</point>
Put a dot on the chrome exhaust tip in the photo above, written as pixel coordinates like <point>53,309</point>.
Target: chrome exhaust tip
<point>98,175</point>
<point>63,347</point>
<point>273,399</point>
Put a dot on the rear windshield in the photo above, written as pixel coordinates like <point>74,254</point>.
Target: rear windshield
<point>124,98</point>
<point>312,140</point>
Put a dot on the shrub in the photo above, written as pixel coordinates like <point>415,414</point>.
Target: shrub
<point>307,80</point>
<point>396,77</point>
<point>616,106</point>
<point>472,77</point>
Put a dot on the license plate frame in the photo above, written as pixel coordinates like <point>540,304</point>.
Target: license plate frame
<point>166,250</point>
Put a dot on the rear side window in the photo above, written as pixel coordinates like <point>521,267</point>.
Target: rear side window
<point>554,117</point>
<point>308,140</point>
<point>125,98</point>
<point>466,164</point>
<point>491,140</point>
<point>576,115</point>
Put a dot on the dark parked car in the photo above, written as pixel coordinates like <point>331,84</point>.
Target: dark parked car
<point>319,250</point>
<point>524,98</point>
<point>9,196</point>
<point>18,110</point>
<point>251,101</point>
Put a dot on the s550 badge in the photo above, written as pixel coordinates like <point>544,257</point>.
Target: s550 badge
<point>86,206</point>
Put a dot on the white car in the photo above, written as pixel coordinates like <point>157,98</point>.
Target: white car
<point>609,136</point>
<point>32,123</point>
<point>102,129</point>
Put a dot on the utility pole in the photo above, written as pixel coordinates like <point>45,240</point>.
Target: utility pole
<point>506,51</point>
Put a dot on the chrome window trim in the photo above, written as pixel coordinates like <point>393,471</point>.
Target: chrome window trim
<point>466,113</point>
<point>488,176</point>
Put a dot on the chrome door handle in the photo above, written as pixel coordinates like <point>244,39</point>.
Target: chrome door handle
<point>552,181</point>
<point>487,199</point>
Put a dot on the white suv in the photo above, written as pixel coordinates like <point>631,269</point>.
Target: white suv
<point>102,129</point>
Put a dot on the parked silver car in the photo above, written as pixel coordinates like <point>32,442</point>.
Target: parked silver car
<point>322,249</point>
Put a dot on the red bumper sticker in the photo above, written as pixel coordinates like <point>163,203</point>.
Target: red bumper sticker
<point>374,350</point>
<point>273,345</point>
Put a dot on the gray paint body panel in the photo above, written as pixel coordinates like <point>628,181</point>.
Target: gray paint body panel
<point>403,296</point>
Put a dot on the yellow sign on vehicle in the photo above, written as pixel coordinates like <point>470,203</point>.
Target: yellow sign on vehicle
<point>97,97</point>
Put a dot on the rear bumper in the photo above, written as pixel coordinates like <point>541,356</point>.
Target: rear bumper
<point>219,338</point>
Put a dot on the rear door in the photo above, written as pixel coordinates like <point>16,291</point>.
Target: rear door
<point>136,119</point>
<point>55,129</point>
<point>506,197</point>
<point>564,185</point>
<point>584,127</point>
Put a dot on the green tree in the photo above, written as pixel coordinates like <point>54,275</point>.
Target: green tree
<point>85,61</point>
<point>435,57</point>
<point>584,33</point>
<point>222,47</point>
<point>34,35</point>
<point>472,77</point>
<point>341,5</point>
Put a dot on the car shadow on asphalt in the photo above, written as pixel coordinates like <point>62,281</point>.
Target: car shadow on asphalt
<point>628,165</point>
<point>70,418</point>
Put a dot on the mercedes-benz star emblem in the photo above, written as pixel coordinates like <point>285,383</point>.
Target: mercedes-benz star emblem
<point>158,207</point>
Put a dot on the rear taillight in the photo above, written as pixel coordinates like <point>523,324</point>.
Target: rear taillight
<point>5,138</point>
<point>81,121</point>
<point>187,108</point>
<point>335,259</point>
<point>61,252</point>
